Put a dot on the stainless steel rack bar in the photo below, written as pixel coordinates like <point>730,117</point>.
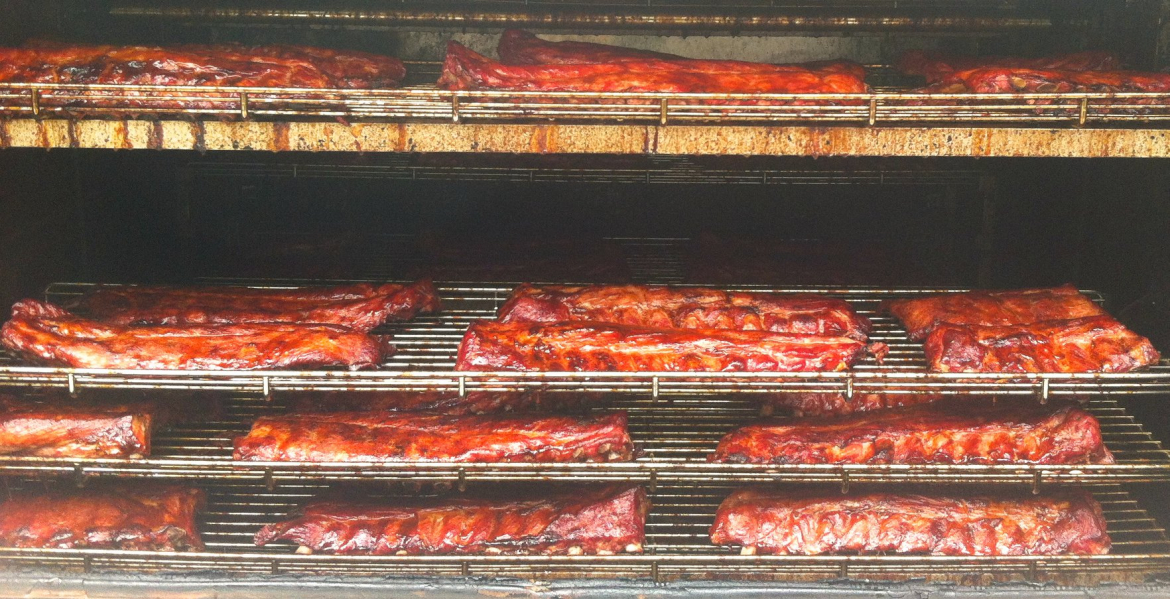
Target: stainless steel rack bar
<point>428,345</point>
<point>677,549</point>
<point>426,103</point>
<point>675,436</point>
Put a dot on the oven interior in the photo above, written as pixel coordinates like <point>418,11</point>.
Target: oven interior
<point>81,215</point>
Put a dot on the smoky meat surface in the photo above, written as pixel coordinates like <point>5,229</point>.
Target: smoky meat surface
<point>200,65</point>
<point>935,66</point>
<point>518,47</point>
<point>1022,306</point>
<point>45,333</point>
<point>1093,344</point>
<point>361,307</point>
<point>685,308</point>
<point>464,69</point>
<point>963,430</point>
<point>148,518</point>
<point>814,523</point>
<point>592,346</point>
<point>385,437</point>
<point>589,521</point>
<point>76,429</point>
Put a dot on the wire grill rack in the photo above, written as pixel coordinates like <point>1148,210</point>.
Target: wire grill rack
<point>677,548</point>
<point>429,103</point>
<point>675,435</point>
<point>428,345</point>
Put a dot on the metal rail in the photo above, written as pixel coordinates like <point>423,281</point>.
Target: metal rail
<point>428,345</point>
<point>428,103</point>
<point>639,170</point>
<point>677,548</point>
<point>674,435</point>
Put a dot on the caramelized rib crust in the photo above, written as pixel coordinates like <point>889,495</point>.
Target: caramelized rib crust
<point>935,66</point>
<point>222,65</point>
<point>829,404</point>
<point>1014,81</point>
<point>794,523</point>
<point>966,430</point>
<point>592,346</point>
<point>685,308</point>
<point>463,69</point>
<point>147,518</point>
<point>43,332</point>
<point>1094,344</point>
<point>1021,306</point>
<point>442,402</point>
<point>519,47</point>
<point>397,437</point>
<point>591,521</point>
<point>74,430</point>
<point>361,307</point>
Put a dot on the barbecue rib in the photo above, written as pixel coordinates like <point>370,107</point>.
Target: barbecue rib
<point>1013,81</point>
<point>519,47</point>
<point>466,70</point>
<point>442,402</point>
<point>587,521</point>
<point>966,430</point>
<point>361,307</point>
<point>44,332</point>
<point>223,65</point>
<point>591,346</point>
<point>147,518</point>
<point>685,308</point>
<point>1092,344</point>
<point>76,429</point>
<point>396,437</point>
<point>829,404</point>
<point>935,66</point>
<point>811,523</point>
<point>1021,306</point>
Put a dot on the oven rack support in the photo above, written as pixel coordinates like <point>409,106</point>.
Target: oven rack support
<point>677,548</point>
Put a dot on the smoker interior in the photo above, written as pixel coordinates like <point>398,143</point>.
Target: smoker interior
<point>80,216</point>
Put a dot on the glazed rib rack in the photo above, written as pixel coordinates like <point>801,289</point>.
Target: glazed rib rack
<point>427,347</point>
<point>677,548</point>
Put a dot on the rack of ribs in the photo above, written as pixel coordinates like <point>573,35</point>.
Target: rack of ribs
<point>215,65</point>
<point>593,346</point>
<point>814,523</point>
<point>685,308</point>
<point>405,437</point>
<point>994,80</point>
<point>935,66</point>
<point>961,430</point>
<point>464,69</point>
<point>1093,344</point>
<point>442,402</point>
<point>362,307</point>
<point>518,47</point>
<point>587,521</point>
<point>75,429</point>
<point>147,518</point>
<point>1020,306</point>
<point>43,332</point>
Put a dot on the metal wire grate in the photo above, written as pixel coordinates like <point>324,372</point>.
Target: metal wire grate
<point>677,548</point>
<point>428,345</point>
<point>428,103</point>
<point>674,435</point>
